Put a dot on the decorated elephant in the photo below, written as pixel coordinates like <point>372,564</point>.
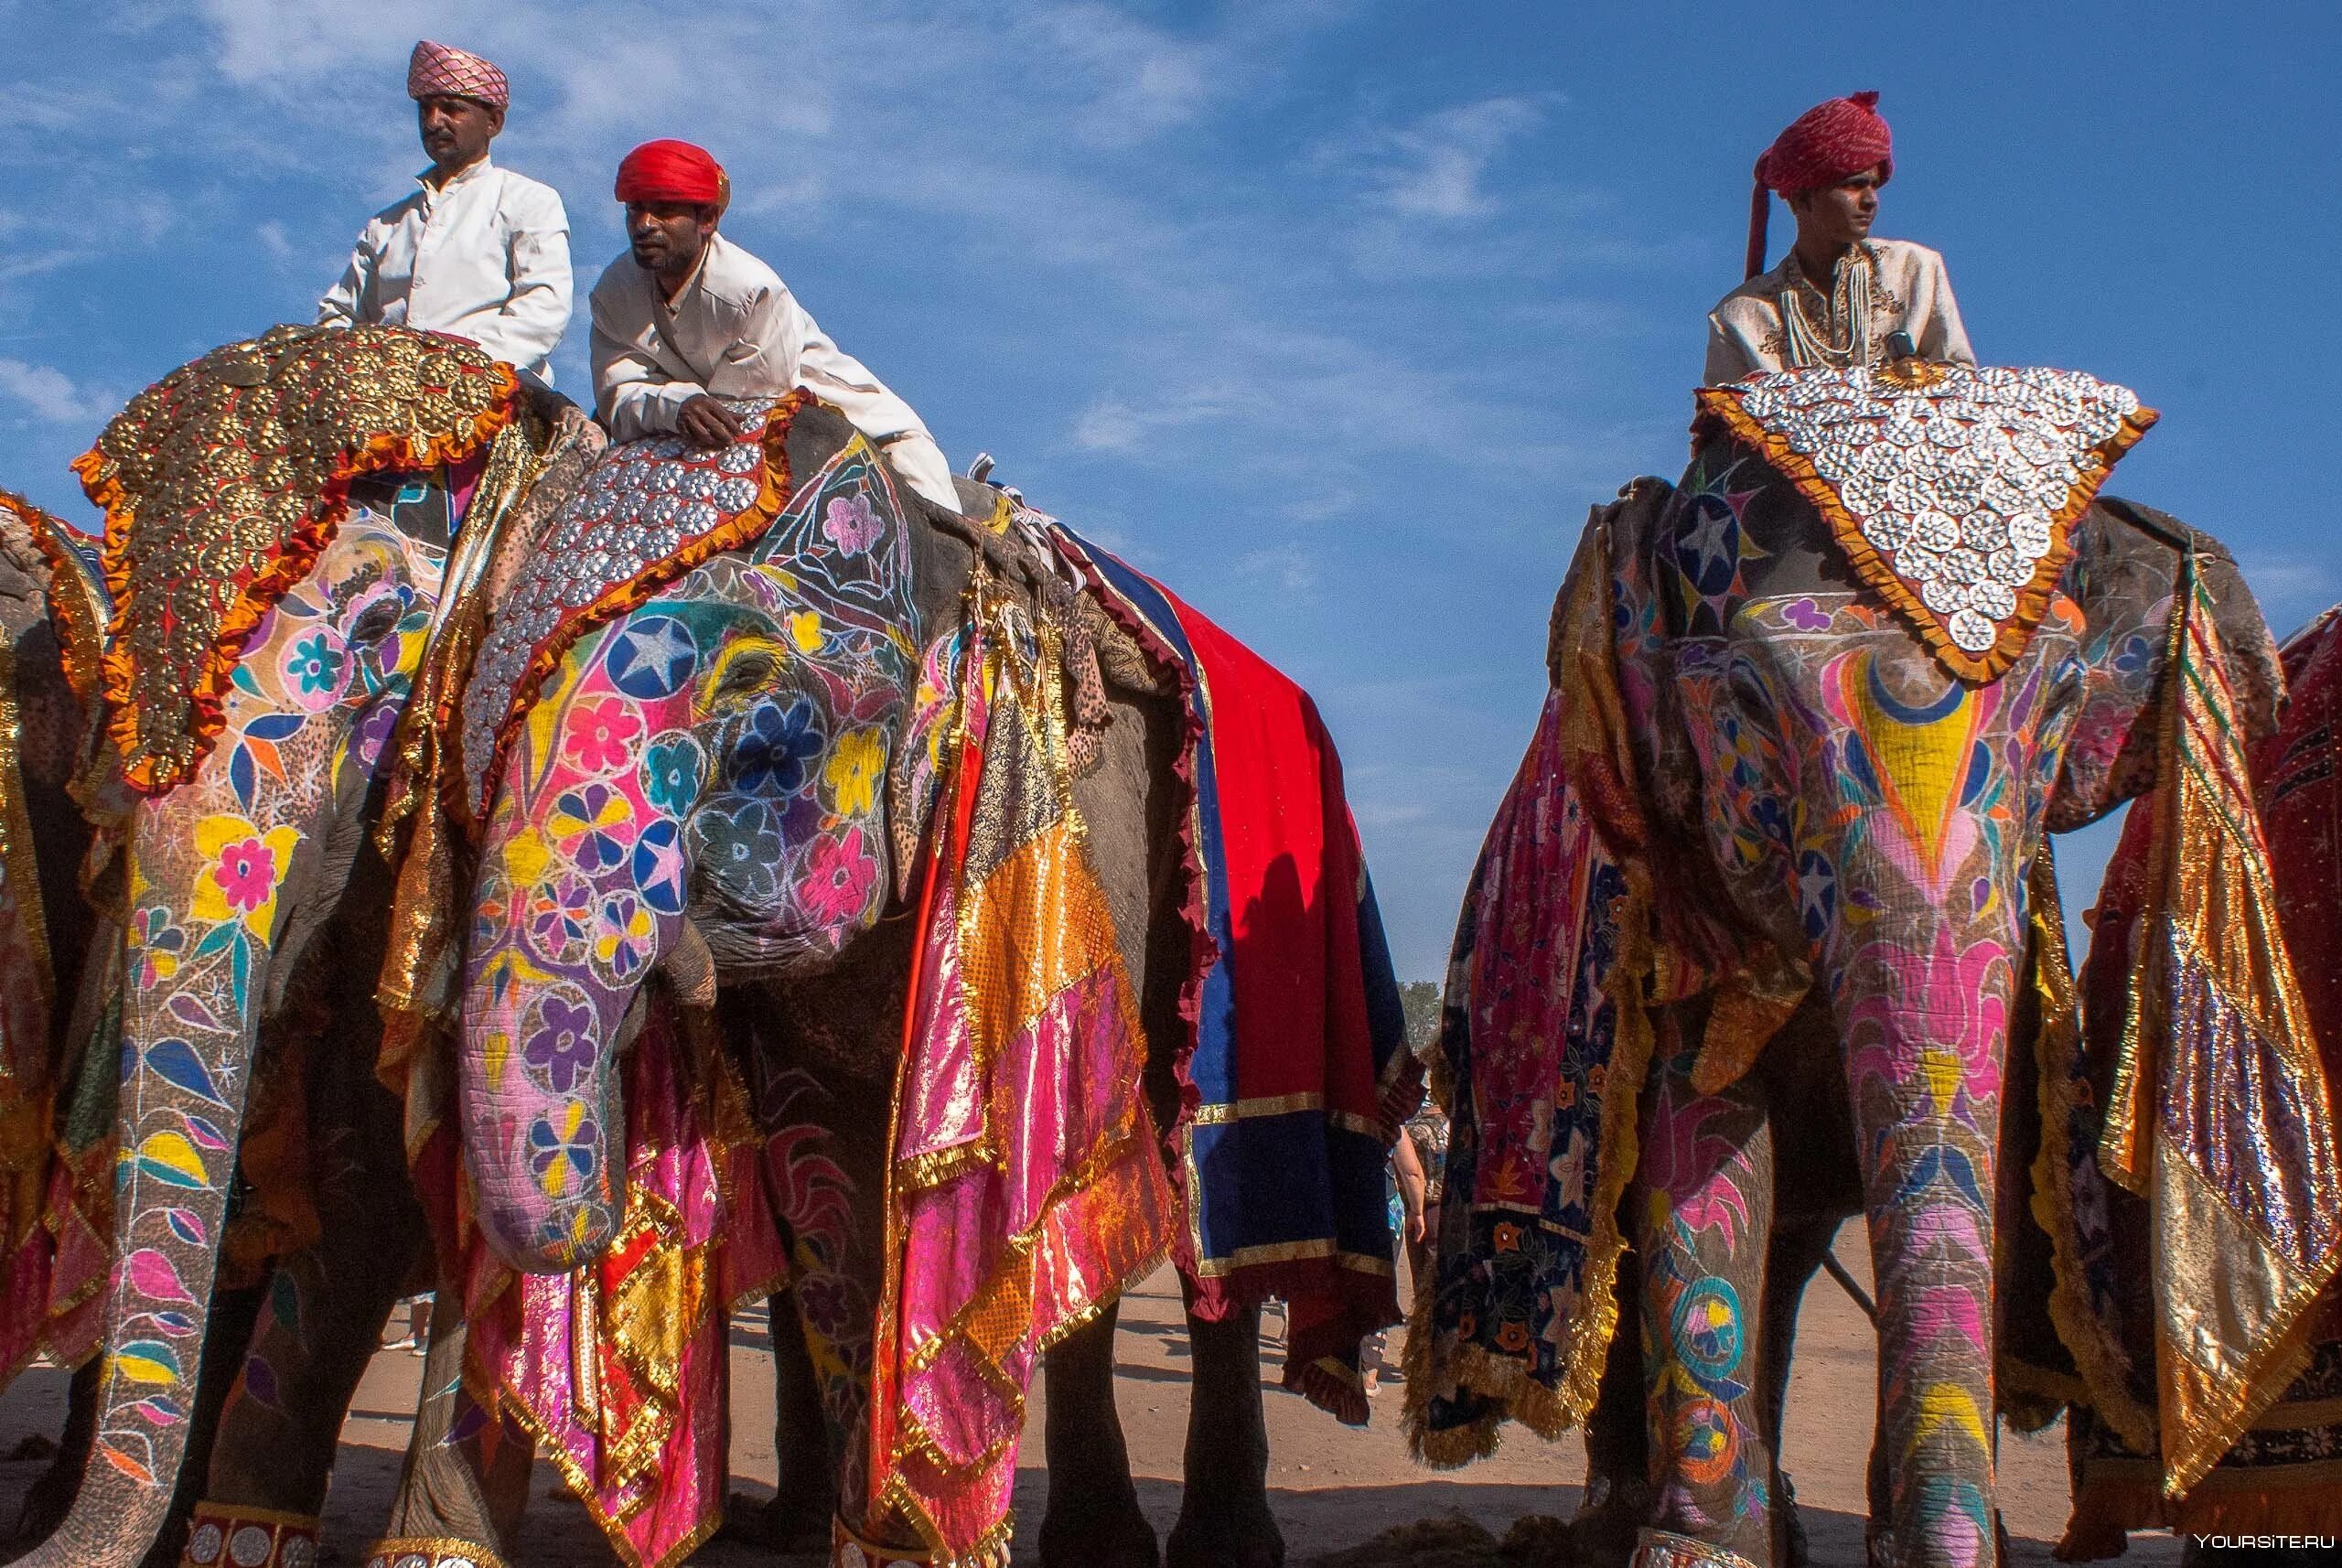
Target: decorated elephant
<point>728,734</point>
<point>1814,711</point>
<point>279,523</point>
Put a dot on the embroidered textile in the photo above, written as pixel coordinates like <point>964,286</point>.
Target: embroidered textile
<point>650,511</point>
<point>1025,1190</point>
<point>2284,1474</point>
<point>1951,491</point>
<point>27,1064</point>
<point>222,482</point>
<point>1299,1074</point>
<point>1543,1044</point>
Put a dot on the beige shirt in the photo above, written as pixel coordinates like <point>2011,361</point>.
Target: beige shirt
<point>734,330</point>
<point>1781,321</point>
<point>485,256</point>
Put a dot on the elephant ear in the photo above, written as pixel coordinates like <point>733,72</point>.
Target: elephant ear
<point>914,773</point>
<point>2248,648</point>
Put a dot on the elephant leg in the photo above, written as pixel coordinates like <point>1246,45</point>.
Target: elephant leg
<point>1224,1518</point>
<point>1702,1232</point>
<point>805,1489</point>
<point>1793,1259</point>
<point>1618,1446</point>
<point>325,1304</point>
<point>1093,1515</point>
<point>320,1325</point>
<point>465,1477</point>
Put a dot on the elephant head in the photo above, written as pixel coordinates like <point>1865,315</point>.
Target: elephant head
<point>1828,788</point>
<point>703,775</point>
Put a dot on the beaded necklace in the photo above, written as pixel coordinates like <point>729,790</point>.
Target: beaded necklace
<point>1848,342</point>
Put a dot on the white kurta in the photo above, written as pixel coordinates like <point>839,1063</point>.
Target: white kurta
<point>486,257</point>
<point>734,330</point>
<point>1907,289</point>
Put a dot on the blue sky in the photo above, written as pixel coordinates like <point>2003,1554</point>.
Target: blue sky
<point>1336,316</point>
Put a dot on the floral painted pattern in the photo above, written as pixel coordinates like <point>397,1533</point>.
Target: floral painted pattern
<point>721,750</point>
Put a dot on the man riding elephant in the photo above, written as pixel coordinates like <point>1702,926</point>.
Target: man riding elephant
<point>1840,296</point>
<point>476,251</point>
<point>687,319</point>
<point>1814,711</point>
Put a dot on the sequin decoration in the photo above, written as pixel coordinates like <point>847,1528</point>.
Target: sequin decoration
<point>222,482</point>
<point>1950,487</point>
<point>650,510</point>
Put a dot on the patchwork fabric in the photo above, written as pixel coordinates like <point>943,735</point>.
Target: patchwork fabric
<point>619,1370</point>
<point>650,511</point>
<point>2219,1115</point>
<point>1950,488</point>
<point>1025,1192</point>
<point>1543,1047</point>
<point>222,484</point>
<point>2284,1473</point>
<point>1299,1074</point>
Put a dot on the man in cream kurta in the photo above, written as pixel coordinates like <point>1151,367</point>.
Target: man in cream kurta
<point>1839,296</point>
<point>476,251</point>
<point>730,328</point>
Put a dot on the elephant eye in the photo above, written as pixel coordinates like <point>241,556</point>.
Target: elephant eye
<point>376,623</point>
<point>748,669</point>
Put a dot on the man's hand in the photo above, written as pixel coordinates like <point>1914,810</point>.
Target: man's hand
<point>704,421</point>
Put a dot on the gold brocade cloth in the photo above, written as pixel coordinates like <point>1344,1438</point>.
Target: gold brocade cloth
<point>222,482</point>
<point>1026,1189</point>
<point>2219,1118</point>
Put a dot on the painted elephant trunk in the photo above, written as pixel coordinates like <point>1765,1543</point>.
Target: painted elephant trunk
<point>196,907</point>
<point>543,1120</point>
<point>1925,1015</point>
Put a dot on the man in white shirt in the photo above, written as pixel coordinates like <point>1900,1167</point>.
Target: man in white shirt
<point>686,317</point>
<point>1839,295</point>
<point>477,252</point>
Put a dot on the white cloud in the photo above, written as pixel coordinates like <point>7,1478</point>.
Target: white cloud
<point>1436,166</point>
<point>50,395</point>
<point>1289,567</point>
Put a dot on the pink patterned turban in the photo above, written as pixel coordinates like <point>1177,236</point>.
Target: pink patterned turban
<point>437,70</point>
<point>1828,143</point>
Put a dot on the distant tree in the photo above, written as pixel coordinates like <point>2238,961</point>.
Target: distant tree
<point>1420,998</point>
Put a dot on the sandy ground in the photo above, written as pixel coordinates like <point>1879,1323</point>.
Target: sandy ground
<point>1333,1488</point>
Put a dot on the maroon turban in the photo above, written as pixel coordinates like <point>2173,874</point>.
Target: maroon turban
<point>437,70</point>
<point>1828,143</point>
<point>673,171</point>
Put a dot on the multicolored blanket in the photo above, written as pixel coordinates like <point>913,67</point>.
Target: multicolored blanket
<point>2144,1439</point>
<point>1544,1045</point>
<point>1025,1191</point>
<point>1299,1074</point>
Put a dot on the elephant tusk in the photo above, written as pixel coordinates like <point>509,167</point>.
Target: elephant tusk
<point>1851,1286</point>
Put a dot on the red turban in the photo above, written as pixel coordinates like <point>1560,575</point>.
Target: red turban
<point>439,70</point>
<point>1828,143</point>
<point>673,171</point>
